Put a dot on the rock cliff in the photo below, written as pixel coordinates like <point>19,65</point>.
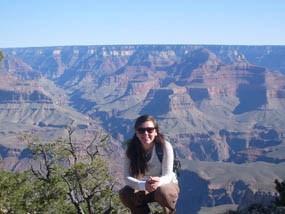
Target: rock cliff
<point>217,104</point>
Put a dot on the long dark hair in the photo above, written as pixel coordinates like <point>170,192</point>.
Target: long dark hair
<point>135,152</point>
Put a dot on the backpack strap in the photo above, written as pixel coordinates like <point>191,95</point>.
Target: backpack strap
<point>176,161</point>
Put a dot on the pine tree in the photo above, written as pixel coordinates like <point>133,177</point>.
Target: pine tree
<point>68,177</point>
<point>280,187</point>
<point>71,177</point>
<point>1,56</point>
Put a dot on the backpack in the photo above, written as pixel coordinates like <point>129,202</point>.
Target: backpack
<point>176,161</point>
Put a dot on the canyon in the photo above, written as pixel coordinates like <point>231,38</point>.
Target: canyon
<point>222,108</point>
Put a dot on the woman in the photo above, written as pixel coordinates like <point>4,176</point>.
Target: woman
<point>147,179</point>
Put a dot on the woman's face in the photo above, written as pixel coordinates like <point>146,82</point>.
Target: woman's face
<point>146,134</point>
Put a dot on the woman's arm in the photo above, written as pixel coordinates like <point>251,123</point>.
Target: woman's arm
<point>167,164</point>
<point>132,181</point>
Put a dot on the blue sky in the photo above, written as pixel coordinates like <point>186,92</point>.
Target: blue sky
<point>37,23</point>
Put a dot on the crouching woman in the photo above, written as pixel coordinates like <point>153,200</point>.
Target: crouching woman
<point>147,178</point>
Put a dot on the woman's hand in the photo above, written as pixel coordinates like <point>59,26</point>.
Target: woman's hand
<point>152,183</point>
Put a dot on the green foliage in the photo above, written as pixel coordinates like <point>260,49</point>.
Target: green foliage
<point>1,56</point>
<point>21,193</point>
<point>280,188</point>
<point>14,189</point>
<point>155,208</point>
<point>68,177</point>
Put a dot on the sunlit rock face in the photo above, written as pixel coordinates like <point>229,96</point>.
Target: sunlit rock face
<point>207,94</point>
<point>220,104</point>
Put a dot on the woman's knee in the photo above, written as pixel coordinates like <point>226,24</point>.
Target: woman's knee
<point>167,195</point>
<point>132,198</point>
<point>126,196</point>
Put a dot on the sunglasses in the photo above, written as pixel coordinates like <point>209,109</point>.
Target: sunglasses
<point>148,129</point>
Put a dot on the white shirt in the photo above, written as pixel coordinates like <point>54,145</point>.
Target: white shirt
<point>155,168</point>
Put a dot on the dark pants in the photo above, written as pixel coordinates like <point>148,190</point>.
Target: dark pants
<point>137,201</point>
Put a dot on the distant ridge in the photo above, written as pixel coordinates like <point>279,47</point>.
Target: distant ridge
<point>222,106</point>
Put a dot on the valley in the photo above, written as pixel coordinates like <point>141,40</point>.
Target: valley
<point>222,107</point>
